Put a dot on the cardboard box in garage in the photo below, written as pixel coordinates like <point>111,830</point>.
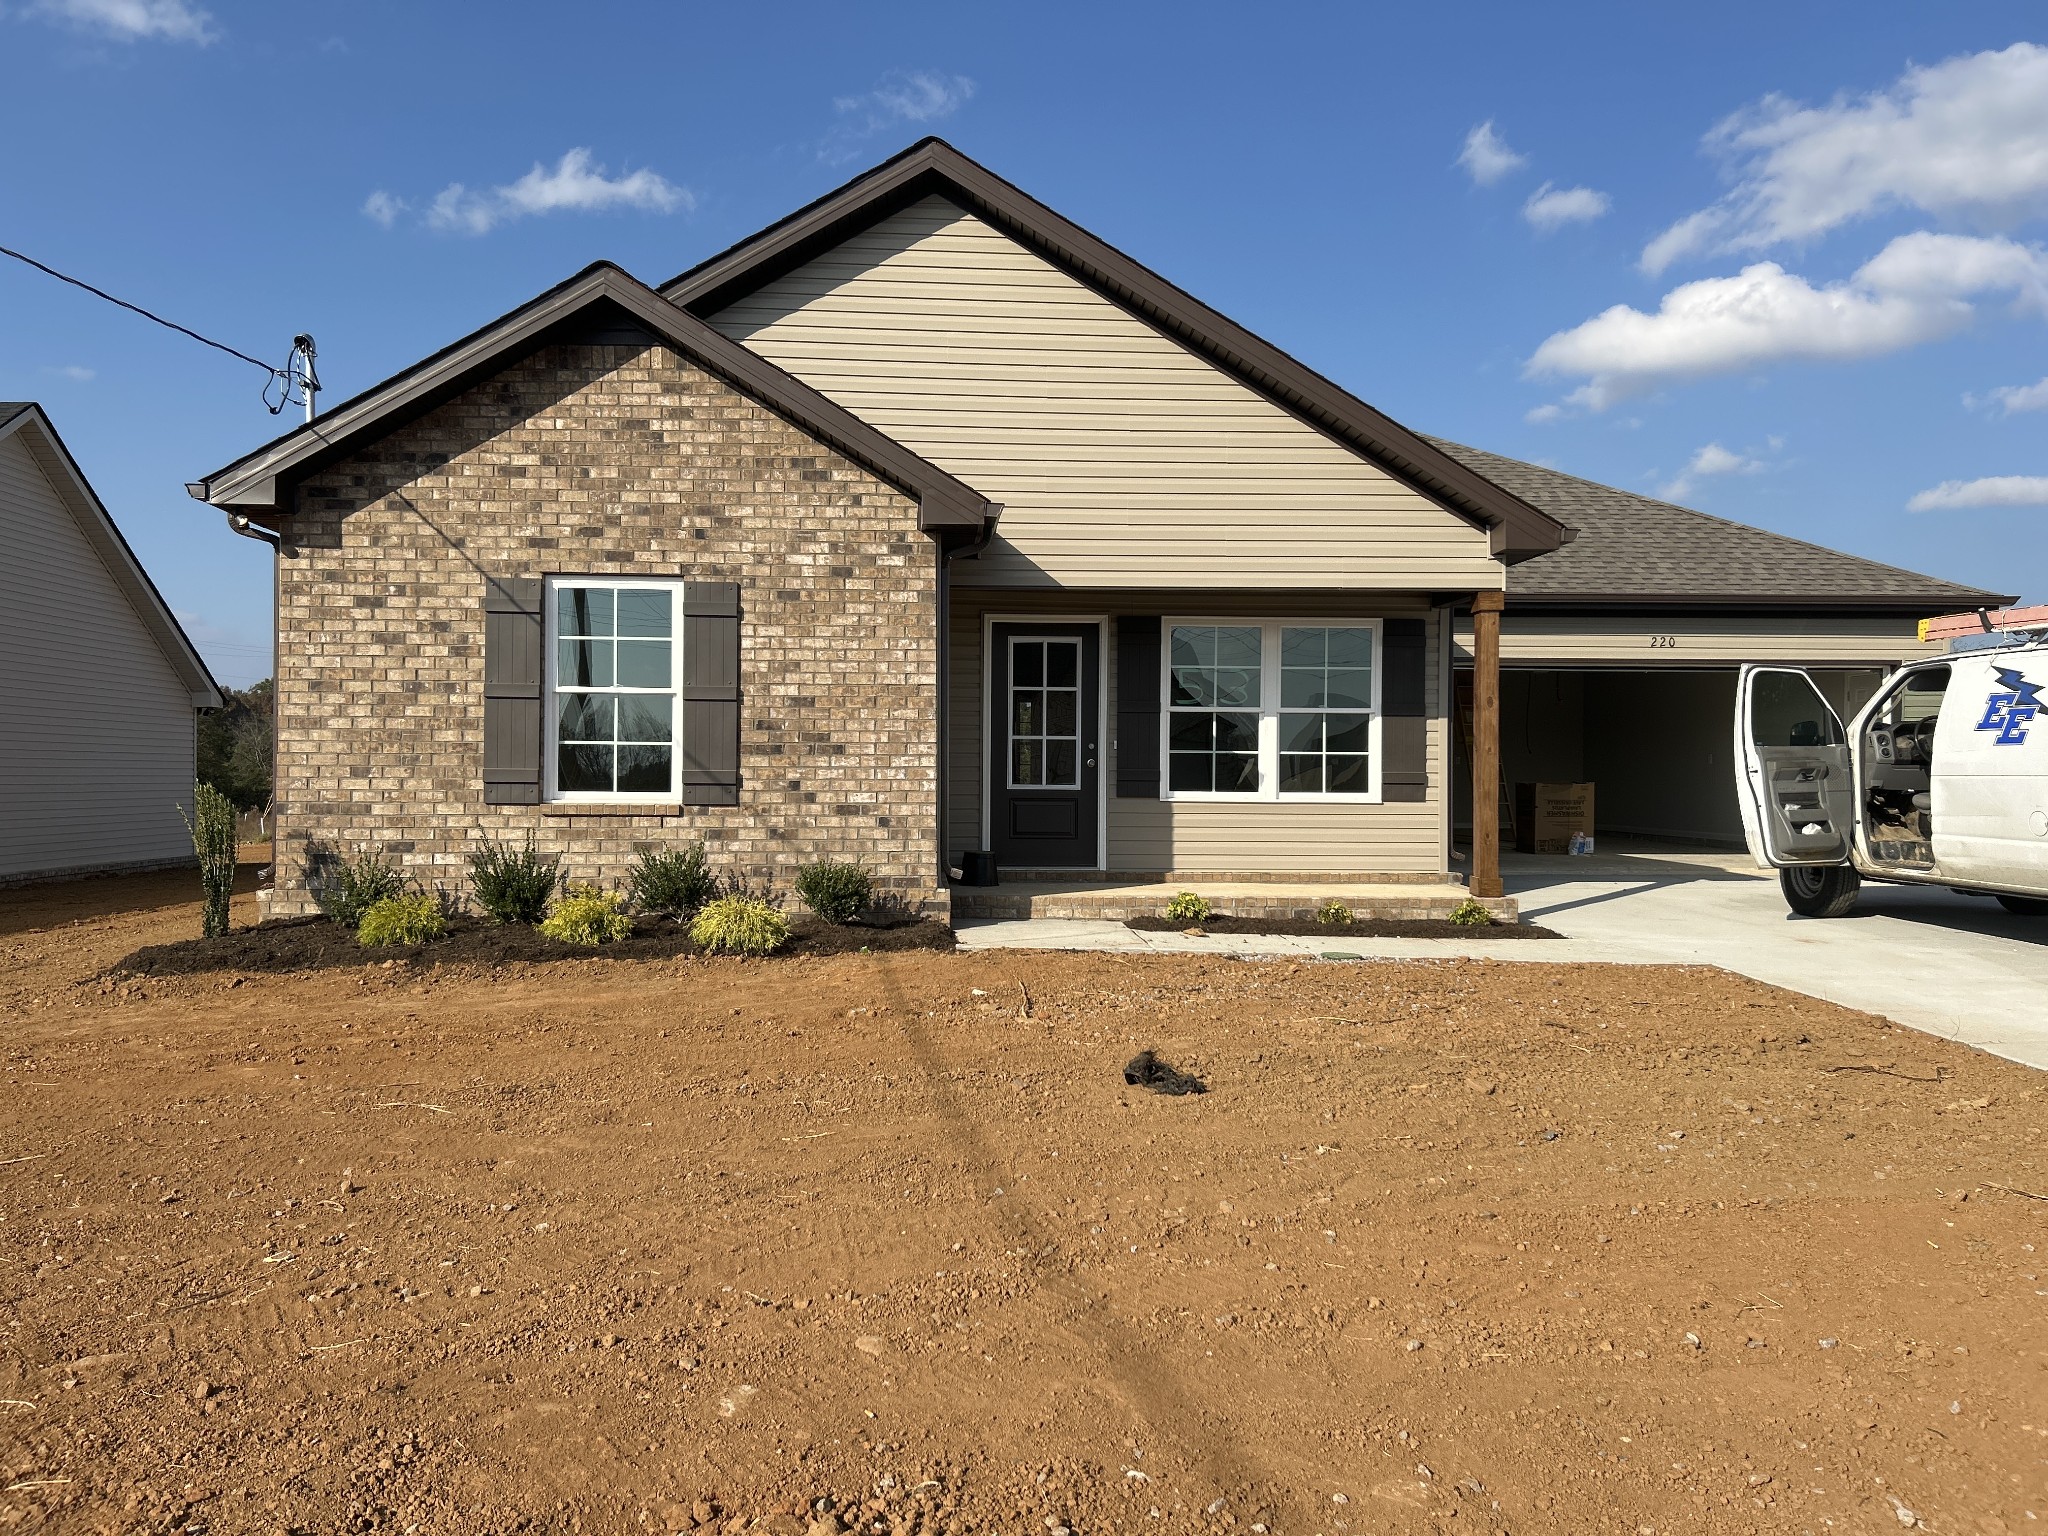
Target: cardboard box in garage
<point>1546,816</point>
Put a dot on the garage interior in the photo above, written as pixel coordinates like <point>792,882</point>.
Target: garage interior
<point>1655,743</point>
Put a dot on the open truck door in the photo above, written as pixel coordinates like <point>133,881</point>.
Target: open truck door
<point>1796,788</point>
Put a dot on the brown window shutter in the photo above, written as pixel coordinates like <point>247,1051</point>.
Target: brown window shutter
<point>711,693</point>
<point>1404,711</point>
<point>512,671</point>
<point>1137,707</point>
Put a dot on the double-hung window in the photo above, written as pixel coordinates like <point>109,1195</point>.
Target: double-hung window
<point>613,711</point>
<point>1271,710</point>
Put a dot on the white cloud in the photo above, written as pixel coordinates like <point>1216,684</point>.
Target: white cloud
<point>74,373</point>
<point>574,184</point>
<point>131,21</point>
<point>1966,138</point>
<point>1710,461</point>
<point>902,96</point>
<point>1991,491</point>
<point>1917,288</point>
<point>1551,207</point>
<point>2012,398</point>
<point>1486,156</point>
<point>1542,415</point>
<point>383,208</point>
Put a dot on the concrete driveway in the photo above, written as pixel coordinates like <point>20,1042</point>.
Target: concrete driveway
<point>1961,967</point>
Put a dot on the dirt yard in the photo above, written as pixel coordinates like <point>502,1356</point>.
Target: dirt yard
<point>649,1246</point>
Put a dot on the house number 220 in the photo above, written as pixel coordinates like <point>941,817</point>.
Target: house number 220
<point>1663,642</point>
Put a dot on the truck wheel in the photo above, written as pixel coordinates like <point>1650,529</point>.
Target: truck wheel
<point>1827,890</point>
<point>2024,906</point>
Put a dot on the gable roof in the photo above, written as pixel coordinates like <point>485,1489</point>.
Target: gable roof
<point>27,420</point>
<point>262,481</point>
<point>933,167</point>
<point>1636,549</point>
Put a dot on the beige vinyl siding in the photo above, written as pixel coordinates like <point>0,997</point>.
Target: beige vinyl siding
<point>1638,640</point>
<point>1121,458</point>
<point>1267,837</point>
<point>99,726</point>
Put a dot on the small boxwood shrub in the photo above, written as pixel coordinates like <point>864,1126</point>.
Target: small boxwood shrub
<point>739,925</point>
<point>1470,914</point>
<point>414,919</point>
<point>1186,907</point>
<point>1334,914</point>
<point>672,882</point>
<point>838,893</point>
<point>590,917</point>
<point>355,887</point>
<point>512,885</point>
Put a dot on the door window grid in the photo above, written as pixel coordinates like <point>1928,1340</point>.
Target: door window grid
<point>1045,714</point>
<point>612,711</point>
<point>1267,710</point>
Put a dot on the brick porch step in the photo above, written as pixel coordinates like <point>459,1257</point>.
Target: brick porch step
<point>1092,899</point>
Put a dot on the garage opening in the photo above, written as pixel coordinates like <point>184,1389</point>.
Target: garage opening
<point>1654,743</point>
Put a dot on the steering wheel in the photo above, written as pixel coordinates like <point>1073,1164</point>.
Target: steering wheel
<point>1923,739</point>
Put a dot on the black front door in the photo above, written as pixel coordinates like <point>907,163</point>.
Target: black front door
<point>1044,727</point>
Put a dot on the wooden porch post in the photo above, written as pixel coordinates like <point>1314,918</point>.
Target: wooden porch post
<point>1486,607</point>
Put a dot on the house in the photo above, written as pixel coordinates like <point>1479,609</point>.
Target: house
<point>921,522</point>
<point>99,687</point>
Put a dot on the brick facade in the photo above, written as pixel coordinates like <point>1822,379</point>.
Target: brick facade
<point>606,460</point>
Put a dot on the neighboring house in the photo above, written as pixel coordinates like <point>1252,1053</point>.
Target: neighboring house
<point>922,522</point>
<point>99,685</point>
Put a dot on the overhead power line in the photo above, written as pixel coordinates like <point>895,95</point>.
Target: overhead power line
<point>293,373</point>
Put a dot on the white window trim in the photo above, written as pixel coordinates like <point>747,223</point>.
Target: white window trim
<point>551,793</point>
<point>1269,711</point>
<point>1080,692</point>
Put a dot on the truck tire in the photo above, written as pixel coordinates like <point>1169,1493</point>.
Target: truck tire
<point>1827,890</point>
<point>2024,906</point>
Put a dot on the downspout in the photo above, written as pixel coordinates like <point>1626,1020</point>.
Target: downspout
<point>965,551</point>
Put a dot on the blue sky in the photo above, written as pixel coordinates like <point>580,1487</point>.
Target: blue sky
<point>1778,263</point>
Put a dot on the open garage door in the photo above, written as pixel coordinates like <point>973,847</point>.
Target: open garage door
<point>1653,742</point>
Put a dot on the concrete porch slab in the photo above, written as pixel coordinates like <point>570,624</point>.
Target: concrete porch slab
<point>1096,900</point>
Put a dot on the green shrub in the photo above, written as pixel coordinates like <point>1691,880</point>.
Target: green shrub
<point>1470,914</point>
<point>512,885</point>
<point>739,925</point>
<point>355,887</point>
<point>672,882</point>
<point>836,892</point>
<point>588,916</point>
<point>212,826</point>
<point>414,919</point>
<point>1187,907</point>
<point>1334,914</point>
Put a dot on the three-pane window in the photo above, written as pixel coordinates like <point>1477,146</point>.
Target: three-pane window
<point>1268,710</point>
<point>613,711</point>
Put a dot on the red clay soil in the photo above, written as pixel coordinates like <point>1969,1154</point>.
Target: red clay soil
<point>661,1245</point>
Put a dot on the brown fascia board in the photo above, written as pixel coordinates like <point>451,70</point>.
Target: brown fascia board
<point>259,484</point>
<point>108,542</point>
<point>1517,530</point>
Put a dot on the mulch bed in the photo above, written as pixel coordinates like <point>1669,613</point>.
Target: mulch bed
<point>1362,928</point>
<point>316,944</point>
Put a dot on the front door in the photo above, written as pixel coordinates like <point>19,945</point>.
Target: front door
<point>1793,778</point>
<point>1045,711</point>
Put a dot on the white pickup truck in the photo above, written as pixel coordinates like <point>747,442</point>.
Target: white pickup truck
<point>1941,779</point>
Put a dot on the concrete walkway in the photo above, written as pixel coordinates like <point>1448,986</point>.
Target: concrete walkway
<point>1956,966</point>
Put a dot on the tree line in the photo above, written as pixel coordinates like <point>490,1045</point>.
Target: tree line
<point>235,745</point>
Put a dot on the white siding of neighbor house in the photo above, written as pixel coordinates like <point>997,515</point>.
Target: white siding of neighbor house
<point>1196,836</point>
<point>1122,458</point>
<point>99,726</point>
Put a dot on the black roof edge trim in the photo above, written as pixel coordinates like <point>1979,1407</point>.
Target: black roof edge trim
<point>943,500</point>
<point>1927,605</point>
<point>1520,531</point>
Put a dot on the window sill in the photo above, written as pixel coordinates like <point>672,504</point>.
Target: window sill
<point>612,808</point>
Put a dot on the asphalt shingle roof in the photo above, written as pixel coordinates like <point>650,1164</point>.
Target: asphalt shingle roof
<point>1631,546</point>
<point>9,409</point>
